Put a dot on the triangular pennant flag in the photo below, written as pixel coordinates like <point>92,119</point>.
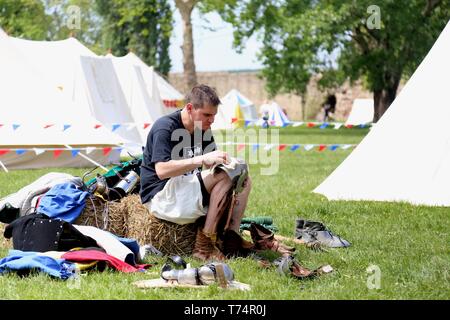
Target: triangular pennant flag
<point>106,151</point>
<point>346,146</point>
<point>324,125</point>
<point>48,126</point>
<point>66,126</point>
<point>349,126</point>
<point>57,153</point>
<point>311,124</point>
<point>268,146</point>
<point>308,147</point>
<point>38,151</point>
<point>75,152</point>
<point>322,147</point>
<point>281,147</point>
<point>362,125</point>
<point>337,125</point>
<point>247,122</point>
<point>4,151</point>
<point>97,126</point>
<point>15,126</point>
<point>333,147</point>
<point>20,151</point>
<point>233,120</point>
<point>273,122</point>
<point>90,149</point>
<point>146,125</point>
<point>119,150</point>
<point>255,147</point>
<point>297,124</point>
<point>240,147</point>
<point>115,127</point>
<point>294,147</point>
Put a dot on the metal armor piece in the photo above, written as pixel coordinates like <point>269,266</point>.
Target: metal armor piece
<point>205,274</point>
<point>128,183</point>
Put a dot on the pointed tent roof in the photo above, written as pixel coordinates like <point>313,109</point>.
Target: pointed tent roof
<point>406,156</point>
<point>362,112</point>
<point>83,77</point>
<point>228,116</point>
<point>29,104</point>
<point>139,93</point>
<point>167,94</point>
<point>277,117</point>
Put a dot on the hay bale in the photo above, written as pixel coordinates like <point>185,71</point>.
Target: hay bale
<point>6,243</point>
<point>130,218</point>
<point>106,215</point>
<point>169,238</point>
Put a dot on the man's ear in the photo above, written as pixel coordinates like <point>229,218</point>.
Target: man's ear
<point>189,107</point>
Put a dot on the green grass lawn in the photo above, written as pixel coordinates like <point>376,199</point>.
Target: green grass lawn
<point>409,244</point>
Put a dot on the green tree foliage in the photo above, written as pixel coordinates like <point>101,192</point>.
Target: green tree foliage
<point>76,18</point>
<point>339,39</point>
<point>143,26</point>
<point>24,18</point>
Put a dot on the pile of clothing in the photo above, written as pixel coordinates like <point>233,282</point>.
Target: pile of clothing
<point>40,220</point>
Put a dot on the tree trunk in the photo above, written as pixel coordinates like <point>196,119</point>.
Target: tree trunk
<point>382,99</point>
<point>185,7</point>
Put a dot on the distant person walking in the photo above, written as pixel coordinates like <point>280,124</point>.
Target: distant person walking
<point>329,107</point>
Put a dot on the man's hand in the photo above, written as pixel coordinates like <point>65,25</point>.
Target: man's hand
<point>215,157</point>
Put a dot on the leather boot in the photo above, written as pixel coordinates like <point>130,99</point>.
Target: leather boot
<point>235,246</point>
<point>288,265</point>
<point>205,247</point>
<point>264,239</point>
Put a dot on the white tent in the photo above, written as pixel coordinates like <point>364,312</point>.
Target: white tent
<point>406,157</point>
<point>165,94</point>
<point>277,117</point>
<point>362,112</point>
<point>87,79</point>
<point>35,116</point>
<point>234,111</point>
<point>139,93</point>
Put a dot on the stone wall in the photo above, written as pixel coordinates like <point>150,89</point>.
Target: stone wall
<point>251,85</point>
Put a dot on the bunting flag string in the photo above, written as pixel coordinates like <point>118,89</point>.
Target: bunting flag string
<point>310,124</point>
<point>64,127</point>
<point>290,147</point>
<point>58,151</point>
<point>146,125</point>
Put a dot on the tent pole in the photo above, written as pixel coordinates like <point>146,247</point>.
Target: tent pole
<point>89,159</point>
<point>3,166</point>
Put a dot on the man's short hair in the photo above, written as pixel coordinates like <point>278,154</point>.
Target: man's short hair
<point>202,95</point>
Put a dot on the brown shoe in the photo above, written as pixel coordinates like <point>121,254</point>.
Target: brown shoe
<point>235,246</point>
<point>205,248</point>
<point>264,239</point>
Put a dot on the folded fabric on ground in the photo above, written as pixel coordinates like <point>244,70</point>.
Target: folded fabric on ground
<point>316,232</point>
<point>87,255</point>
<point>140,252</point>
<point>65,201</point>
<point>24,201</point>
<point>25,262</point>
<point>267,222</point>
<point>39,233</point>
<point>112,245</point>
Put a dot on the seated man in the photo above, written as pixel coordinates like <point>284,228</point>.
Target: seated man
<point>173,185</point>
